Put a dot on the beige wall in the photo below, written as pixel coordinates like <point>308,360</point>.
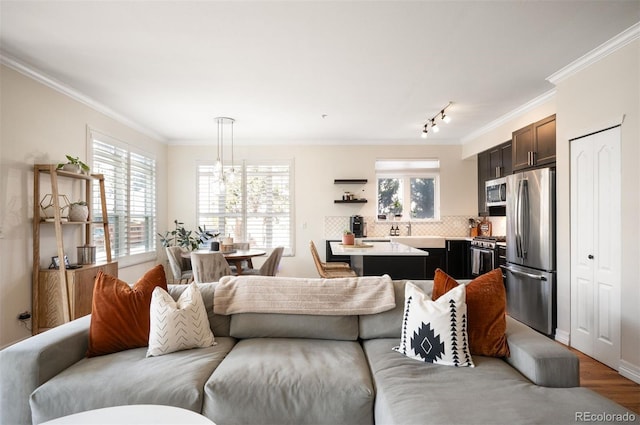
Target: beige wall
<point>41,125</point>
<point>590,100</point>
<point>315,169</point>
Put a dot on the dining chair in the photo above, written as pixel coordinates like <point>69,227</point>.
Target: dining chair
<point>332,269</point>
<point>270,266</point>
<point>209,266</point>
<point>179,269</point>
<point>246,264</point>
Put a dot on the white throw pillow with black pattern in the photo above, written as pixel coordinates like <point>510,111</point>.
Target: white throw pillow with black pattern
<point>435,331</point>
<point>178,325</point>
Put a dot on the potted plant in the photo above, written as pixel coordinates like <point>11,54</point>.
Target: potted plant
<point>78,211</point>
<point>348,238</point>
<point>73,165</point>
<point>188,239</point>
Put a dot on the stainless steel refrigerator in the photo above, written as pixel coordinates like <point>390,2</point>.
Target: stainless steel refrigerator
<point>531,249</point>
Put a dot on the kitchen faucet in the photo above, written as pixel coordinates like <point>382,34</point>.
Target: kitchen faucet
<point>409,229</point>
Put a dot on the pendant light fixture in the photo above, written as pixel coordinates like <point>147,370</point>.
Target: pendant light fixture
<point>218,170</point>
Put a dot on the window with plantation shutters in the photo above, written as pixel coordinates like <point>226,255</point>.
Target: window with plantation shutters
<point>255,206</point>
<point>130,187</point>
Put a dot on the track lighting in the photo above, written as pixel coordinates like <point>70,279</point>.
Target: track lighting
<point>425,132</point>
<point>432,121</point>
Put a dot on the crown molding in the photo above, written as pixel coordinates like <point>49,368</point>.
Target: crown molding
<point>521,110</point>
<point>625,37</point>
<point>74,94</point>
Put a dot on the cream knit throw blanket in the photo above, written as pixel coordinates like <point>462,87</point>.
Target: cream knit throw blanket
<point>341,296</point>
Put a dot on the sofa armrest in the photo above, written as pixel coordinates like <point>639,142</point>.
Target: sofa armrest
<point>543,361</point>
<point>27,364</point>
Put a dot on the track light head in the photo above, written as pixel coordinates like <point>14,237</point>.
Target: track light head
<point>425,133</point>
<point>445,118</point>
<point>434,126</point>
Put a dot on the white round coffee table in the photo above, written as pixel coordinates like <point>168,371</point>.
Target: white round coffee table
<point>137,414</point>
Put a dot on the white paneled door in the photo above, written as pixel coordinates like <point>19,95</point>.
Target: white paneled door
<point>595,245</point>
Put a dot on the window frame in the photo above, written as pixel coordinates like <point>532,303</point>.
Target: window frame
<point>241,171</point>
<point>405,175</point>
<point>127,259</point>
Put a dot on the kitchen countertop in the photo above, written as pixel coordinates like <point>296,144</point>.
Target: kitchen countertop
<point>377,249</point>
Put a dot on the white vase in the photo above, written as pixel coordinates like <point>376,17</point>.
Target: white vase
<point>78,212</point>
<point>72,168</point>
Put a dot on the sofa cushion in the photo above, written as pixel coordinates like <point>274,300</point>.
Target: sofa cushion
<point>435,331</point>
<point>120,313</point>
<point>265,325</point>
<point>387,324</point>
<point>178,325</point>
<point>487,310</point>
<point>219,323</point>
<point>410,392</point>
<point>542,360</point>
<point>291,381</point>
<point>129,377</point>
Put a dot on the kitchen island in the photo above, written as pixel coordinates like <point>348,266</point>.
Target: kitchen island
<point>398,260</point>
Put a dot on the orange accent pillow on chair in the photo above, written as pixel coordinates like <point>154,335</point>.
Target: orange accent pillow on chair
<point>120,313</point>
<point>486,311</point>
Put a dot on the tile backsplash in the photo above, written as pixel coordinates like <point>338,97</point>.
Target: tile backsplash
<point>447,226</point>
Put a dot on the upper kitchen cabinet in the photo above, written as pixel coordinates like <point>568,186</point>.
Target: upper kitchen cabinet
<point>500,160</point>
<point>535,144</point>
<point>492,163</point>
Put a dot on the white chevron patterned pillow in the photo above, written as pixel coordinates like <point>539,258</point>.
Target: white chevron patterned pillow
<point>178,325</point>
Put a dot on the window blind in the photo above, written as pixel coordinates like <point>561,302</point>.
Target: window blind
<point>131,203</point>
<point>255,207</point>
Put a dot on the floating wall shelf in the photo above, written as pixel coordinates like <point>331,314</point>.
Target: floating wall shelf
<point>353,201</point>
<point>349,181</point>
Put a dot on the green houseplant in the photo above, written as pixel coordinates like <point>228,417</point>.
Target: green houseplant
<point>184,238</point>
<point>73,165</point>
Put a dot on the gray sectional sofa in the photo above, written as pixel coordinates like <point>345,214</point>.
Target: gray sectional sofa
<point>300,369</point>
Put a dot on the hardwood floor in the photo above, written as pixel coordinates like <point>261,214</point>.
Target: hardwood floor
<point>608,382</point>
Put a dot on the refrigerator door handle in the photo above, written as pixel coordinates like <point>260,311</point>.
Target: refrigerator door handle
<point>518,233</point>
<point>529,275</point>
<point>524,220</point>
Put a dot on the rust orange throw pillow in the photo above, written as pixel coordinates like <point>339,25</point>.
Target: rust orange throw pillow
<point>486,311</point>
<point>120,313</point>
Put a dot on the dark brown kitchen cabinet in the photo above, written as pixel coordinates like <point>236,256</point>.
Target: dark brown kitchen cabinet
<point>435,260</point>
<point>535,144</point>
<point>492,163</point>
<point>458,259</point>
<point>484,174</point>
<point>500,160</point>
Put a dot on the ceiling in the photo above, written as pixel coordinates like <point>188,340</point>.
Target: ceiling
<point>308,71</point>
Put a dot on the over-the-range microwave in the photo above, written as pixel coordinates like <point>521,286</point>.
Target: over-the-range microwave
<point>496,192</point>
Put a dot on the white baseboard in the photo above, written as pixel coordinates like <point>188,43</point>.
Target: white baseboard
<point>630,371</point>
<point>563,337</point>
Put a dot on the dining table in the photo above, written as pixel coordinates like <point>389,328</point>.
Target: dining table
<point>234,257</point>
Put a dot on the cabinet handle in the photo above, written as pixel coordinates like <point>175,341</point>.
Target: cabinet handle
<point>498,173</point>
<point>590,257</point>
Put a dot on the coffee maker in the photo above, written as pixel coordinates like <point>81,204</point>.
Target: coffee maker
<point>357,225</point>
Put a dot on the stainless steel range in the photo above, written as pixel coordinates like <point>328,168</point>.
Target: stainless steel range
<point>484,254</point>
